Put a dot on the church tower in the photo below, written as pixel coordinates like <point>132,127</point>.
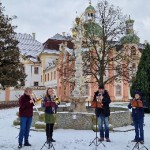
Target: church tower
<point>90,13</point>
<point>129,26</point>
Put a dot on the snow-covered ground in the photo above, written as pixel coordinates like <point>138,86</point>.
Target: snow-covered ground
<point>66,139</point>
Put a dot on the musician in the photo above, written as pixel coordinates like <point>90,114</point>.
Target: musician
<point>103,112</point>
<point>25,113</point>
<point>49,114</point>
<point>138,116</point>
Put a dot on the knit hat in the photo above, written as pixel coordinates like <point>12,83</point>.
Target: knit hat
<point>137,92</point>
<point>101,86</point>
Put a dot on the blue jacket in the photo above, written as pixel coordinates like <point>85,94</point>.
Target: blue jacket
<point>137,113</point>
<point>48,110</point>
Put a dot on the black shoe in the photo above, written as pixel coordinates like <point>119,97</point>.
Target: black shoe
<point>52,140</point>
<point>27,144</point>
<point>20,146</point>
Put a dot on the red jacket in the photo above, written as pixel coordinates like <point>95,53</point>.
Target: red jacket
<point>25,107</point>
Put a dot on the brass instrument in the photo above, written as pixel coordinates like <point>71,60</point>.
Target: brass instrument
<point>33,97</point>
<point>56,100</point>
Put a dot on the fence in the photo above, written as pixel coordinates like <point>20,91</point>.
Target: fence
<point>8,104</point>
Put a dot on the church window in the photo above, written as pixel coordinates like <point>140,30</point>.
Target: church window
<point>36,70</point>
<point>48,76</point>
<point>118,90</point>
<point>54,74</point>
<point>133,51</point>
<point>45,77</point>
<point>51,75</point>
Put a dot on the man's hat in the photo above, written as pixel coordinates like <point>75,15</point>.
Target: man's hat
<point>101,86</point>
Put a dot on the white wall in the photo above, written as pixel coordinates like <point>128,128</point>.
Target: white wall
<point>2,95</point>
<point>16,93</point>
<point>52,83</point>
<point>31,77</point>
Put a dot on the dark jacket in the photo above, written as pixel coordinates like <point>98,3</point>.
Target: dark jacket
<point>137,113</point>
<point>105,101</point>
<point>25,107</point>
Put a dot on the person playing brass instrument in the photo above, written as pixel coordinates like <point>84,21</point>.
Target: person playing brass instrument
<point>103,112</point>
<point>138,116</point>
<point>49,114</point>
<point>26,103</point>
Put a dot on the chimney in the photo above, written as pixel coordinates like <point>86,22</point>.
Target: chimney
<point>63,33</point>
<point>33,35</point>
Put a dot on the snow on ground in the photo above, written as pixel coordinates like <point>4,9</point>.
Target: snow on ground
<point>66,139</point>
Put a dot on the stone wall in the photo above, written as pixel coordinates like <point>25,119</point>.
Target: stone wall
<point>86,121</point>
<point>80,120</point>
<point>75,120</point>
<point>120,118</point>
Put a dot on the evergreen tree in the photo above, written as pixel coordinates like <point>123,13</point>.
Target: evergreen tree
<point>11,70</point>
<point>142,80</point>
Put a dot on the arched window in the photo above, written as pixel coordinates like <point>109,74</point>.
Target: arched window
<point>48,76</point>
<point>86,89</point>
<point>51,75</point>
<point>45,77</point>
<point>133,51</point>
<point>118,90</point>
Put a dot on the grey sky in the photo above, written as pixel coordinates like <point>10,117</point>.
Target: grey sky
<point>48,17</point>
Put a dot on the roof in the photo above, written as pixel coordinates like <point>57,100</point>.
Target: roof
<point>90,8</point>
<point>50,51</point>
<point>92,28</point>
<point>28,46</point>
<point>61,37</point>
<point>130,38</point>
<point>53,43</point>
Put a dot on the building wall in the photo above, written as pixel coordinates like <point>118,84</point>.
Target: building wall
<point>118,91</point>
<point>11,94</point>
<point>31,76</point>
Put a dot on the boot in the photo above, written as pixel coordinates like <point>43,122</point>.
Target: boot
<point>19,146</point>
<point>52,140</point>
<point>27,143</point>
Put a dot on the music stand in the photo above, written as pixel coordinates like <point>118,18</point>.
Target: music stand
<point>137,146</point>
<point>96,139</point>
<point>49,143</point>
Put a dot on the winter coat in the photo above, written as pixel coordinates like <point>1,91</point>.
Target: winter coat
<point>50,116</point>
<point>137,112</point>
<point>25,107</point>
<point>105,110</point>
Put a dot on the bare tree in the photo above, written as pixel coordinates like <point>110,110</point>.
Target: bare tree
<point>106,59</point>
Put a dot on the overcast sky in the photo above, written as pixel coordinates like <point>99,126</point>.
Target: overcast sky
<point>48,17</point>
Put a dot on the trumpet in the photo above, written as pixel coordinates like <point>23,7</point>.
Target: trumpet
<point>56,100</point>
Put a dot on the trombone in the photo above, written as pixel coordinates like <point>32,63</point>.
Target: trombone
<point>36,99</point>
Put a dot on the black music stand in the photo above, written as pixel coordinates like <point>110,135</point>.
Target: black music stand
<point>96,139</point>
<point>49,143</point>
<point>137,146</point>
